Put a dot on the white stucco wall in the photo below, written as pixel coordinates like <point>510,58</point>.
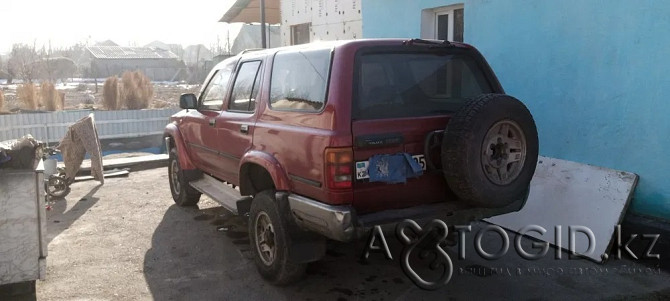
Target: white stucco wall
<point>331,19</point>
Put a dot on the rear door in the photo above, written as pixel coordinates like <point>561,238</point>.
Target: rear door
<point>401,94</point>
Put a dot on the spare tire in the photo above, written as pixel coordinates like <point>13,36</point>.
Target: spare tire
<point>489,151</point>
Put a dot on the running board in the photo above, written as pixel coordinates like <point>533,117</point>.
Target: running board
<point>222,193</point>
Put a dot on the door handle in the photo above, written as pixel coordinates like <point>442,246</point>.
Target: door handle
<point>244,128</point>
<point>212,122</point>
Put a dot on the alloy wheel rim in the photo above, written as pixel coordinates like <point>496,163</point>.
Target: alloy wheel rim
<point>503,152</point>
<point>265,238</point>
<point>174,177</point>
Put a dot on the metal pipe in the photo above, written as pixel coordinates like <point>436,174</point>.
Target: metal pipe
<point>264,41</point>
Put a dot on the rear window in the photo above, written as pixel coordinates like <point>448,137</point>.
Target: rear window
<point>300,80</point>
<point>413,84</point>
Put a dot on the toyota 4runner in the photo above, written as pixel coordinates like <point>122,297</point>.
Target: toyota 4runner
<point>324,140</point>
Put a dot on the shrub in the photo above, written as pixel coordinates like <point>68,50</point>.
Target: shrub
<point>110,94</point>
<point>50,98</point>
<point>2,101</point>
<point>27,94</point>
<point>137,90</point>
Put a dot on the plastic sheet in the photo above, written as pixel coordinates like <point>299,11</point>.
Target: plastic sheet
<point>22,153</point>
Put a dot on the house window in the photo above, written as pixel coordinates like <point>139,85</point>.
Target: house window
<point>300,33</point>
<point>443,23</point>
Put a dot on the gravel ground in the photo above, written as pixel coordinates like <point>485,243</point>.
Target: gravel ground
<point>127,241</point>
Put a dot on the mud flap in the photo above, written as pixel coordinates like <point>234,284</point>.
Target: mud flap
<point>305,246</point>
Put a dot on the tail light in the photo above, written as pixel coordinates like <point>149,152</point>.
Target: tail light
<point>339,168</point>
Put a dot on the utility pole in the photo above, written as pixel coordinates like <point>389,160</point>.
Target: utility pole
<point>264,42</point>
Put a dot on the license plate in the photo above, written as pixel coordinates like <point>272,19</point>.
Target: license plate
<point>362,167</point>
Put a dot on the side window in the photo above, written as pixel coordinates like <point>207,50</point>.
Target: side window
<point>300,80</point>
<point>245,89</point>
<point>216,90</point>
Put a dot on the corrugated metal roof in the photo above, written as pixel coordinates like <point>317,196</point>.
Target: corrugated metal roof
<point>118,52</point>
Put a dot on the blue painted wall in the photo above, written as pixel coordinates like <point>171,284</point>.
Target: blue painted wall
<point>595,75</point>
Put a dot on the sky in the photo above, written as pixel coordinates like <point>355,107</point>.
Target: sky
<point>126,22</point>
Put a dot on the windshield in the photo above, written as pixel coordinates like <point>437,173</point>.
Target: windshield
<point>412,84</point>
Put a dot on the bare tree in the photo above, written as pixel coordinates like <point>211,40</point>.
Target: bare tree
<point>23,62</point>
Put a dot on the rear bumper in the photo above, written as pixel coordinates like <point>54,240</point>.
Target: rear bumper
<point>341,223</point>
<point>334,222</point>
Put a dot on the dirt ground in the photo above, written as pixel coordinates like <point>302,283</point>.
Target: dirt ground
<point>83,95</point>
<point>127,240</point>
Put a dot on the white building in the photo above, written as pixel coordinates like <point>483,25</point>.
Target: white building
<point>305,21</point>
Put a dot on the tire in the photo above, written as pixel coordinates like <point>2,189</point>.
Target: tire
<point>182,193</point>
<point>275,268</point>
<point>22,291</point>
<point>489,151</point>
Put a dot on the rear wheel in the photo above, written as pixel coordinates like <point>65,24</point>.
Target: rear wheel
<point>489,151</point>
<point>182,193</point>
<point>270,238</point>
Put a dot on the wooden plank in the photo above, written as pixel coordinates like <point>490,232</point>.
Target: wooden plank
<point>106,174</point>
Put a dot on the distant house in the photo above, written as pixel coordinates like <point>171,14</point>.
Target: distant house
<point>249,35</point>
<point>158,64</point>
<point>156,44</point>
<point>194,54</point>
<point>106,43</point>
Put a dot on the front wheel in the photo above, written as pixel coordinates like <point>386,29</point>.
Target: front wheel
<point>182,193</point>
<point>270,238</point>
<point>57,186</point>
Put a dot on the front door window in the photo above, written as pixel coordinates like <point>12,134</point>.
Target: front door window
<point>216,90</point>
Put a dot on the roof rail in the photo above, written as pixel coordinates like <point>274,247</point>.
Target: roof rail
<point>250,50</point>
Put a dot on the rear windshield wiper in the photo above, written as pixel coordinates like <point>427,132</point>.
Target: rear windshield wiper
<point>430,43</point>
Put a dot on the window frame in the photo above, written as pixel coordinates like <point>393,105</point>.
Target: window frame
<point>209,79</point>
<point>259,75</point>
<point>429,21</point>
<point>295,26</point>
<point>325,100</point>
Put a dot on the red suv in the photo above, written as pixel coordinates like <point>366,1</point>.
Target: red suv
<point>323,141</point>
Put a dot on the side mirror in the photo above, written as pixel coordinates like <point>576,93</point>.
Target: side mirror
<point>188,101</point>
